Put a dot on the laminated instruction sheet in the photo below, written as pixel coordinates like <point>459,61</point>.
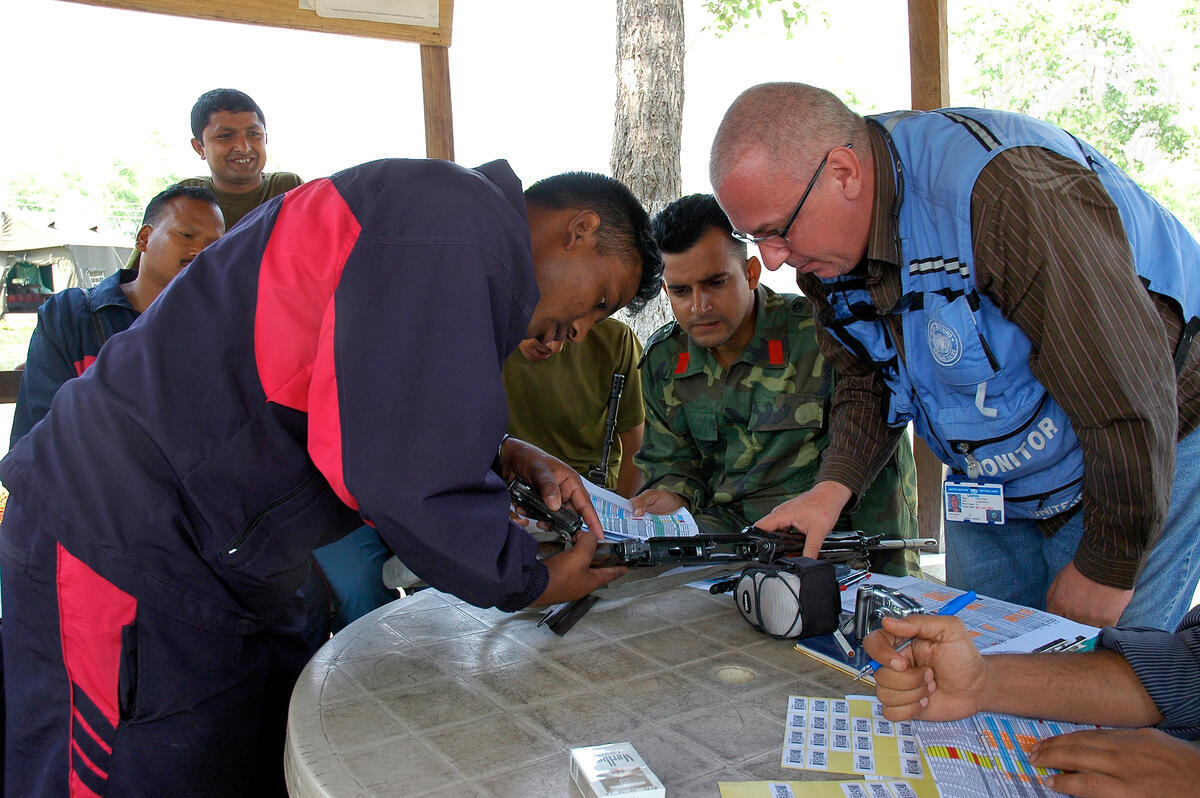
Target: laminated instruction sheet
<point>984,756</point>
<point>995,626</point>
<point>820,789</point>
<point>616,514</point>
<point>845,736</point>
<point>849,735</point>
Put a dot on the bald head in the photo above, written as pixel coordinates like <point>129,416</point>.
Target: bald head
<point>792,123</point>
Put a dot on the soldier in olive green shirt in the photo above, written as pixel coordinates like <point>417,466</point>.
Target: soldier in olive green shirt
<point>558,397</point>
<point>229,132</point>
<point>737,394</point>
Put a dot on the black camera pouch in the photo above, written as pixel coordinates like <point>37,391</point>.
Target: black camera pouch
<point>789,598</point>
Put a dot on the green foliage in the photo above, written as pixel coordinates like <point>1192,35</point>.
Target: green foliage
<point>116,194</point>
<point>730,14</point>
<point>1079,66</point>
<point>125,195</point>
<point>33,193</point>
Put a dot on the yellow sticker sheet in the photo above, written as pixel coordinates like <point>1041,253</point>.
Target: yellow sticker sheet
<point>845,736</point>
<point>828,789</point>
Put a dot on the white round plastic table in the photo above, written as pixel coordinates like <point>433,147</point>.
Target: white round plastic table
<point>430,697</point>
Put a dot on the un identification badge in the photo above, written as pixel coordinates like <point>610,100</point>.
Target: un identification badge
<point>944,343</point>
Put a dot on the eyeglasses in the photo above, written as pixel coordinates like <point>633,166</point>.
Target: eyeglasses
<point>783,231</point>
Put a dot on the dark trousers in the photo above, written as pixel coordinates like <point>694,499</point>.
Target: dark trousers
<point>106,696</point>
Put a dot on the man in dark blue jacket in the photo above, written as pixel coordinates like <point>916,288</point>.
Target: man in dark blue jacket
<point>335,359</point>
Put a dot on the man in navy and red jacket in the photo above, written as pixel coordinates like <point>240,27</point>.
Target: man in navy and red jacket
<point>334,359</point>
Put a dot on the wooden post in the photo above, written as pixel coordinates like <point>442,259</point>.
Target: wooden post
<point>929,70</point>
<point>929,75</point>
<point>10,382</point>
<point>439,118</point>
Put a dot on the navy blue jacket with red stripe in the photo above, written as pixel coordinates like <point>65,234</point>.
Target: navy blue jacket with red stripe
<point>337,354</point>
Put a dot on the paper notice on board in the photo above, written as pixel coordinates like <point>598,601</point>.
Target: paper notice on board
<point>398,12</point>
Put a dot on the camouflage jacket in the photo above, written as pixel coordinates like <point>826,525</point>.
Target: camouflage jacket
<point>735,444</point>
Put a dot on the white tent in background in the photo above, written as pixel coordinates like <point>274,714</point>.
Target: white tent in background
<point>81,257</point>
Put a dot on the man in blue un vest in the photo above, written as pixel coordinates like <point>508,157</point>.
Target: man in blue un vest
<point>1005,288</point>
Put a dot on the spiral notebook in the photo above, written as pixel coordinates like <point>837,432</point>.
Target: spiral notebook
<point>826,649</point>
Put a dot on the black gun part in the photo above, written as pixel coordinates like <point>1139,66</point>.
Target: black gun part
<point>751,544</point>
<point>564,521</point>
<point>561,620</point>
<point>598,474</point>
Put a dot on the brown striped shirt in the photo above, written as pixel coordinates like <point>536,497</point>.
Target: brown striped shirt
<point>1050,251</point>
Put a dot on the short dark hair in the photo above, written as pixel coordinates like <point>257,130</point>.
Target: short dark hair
<point>685,221</point>
<point>624,224</point>
<point>217,100</point>
<point>158,205</point>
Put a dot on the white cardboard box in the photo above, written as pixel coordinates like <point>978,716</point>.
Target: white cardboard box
<point>600,771</point>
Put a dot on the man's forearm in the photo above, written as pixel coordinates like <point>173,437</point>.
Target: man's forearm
<point>1097,687</point>
<point>629,479</point>
<point>1056,263</point>
<point>667,461</point>
<point>676,484</point>
<point>1126,467</point>
<point>860,441</point>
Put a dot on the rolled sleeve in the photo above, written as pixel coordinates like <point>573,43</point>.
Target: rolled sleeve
<point>1168,666</point>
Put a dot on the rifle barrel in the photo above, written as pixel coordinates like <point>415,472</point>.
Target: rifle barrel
<point>921,544</point>
<point>610,426</point>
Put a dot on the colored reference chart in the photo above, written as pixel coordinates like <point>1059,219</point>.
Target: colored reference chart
<point>990,621</point>
<point>987,756</point>
<point>619,521</point>
<point>616,515</point>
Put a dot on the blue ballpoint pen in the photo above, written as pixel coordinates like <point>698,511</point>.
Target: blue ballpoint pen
<point>951,607</point>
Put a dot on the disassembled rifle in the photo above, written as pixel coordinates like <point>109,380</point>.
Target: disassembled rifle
<point>750,545</point>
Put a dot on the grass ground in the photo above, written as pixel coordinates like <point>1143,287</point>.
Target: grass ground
<point>15,329</point>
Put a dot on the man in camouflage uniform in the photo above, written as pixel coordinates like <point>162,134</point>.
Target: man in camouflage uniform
<point>737,394</point>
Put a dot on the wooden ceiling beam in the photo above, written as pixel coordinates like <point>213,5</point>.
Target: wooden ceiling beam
<point>288,14</point>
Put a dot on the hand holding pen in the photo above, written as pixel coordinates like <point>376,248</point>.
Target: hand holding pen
<point>952,607</point>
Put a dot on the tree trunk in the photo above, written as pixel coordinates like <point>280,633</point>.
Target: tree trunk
<point>648,124</point>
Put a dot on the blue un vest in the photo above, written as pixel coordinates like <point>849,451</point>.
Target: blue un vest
<point>964,380</point>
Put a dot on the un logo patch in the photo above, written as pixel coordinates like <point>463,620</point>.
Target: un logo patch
<point>944,343</point>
